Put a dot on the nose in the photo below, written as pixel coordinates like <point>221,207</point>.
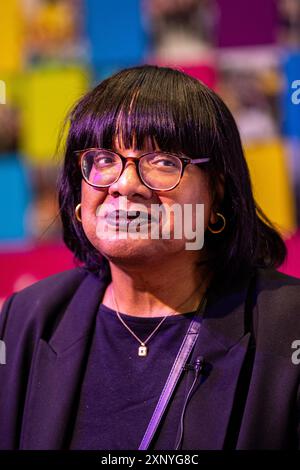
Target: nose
<point>129,184</point>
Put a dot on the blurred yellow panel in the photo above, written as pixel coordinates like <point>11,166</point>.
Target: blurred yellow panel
<point>47,96</point>
<point>272,184</point>
<point>12,35</point>
<point>13,86</point>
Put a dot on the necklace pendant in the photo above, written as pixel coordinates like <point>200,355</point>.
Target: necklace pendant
<point>143,350</point>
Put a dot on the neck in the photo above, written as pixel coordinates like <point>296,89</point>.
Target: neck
<point>158,290</point>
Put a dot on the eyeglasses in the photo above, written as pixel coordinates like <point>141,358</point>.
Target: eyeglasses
<point>158,170</point>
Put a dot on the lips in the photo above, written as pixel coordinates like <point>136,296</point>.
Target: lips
<point>121,217</point>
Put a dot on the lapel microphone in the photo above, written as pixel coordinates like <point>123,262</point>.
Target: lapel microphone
<point>197,366</point>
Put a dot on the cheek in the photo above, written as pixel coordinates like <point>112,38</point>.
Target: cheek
<point>200,192</point>
<point>91,199</point>
<point>193,190</point>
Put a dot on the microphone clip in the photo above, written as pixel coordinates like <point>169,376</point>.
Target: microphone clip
<point>197,366</point>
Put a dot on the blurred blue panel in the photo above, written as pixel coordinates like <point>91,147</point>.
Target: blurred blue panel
<point>14,198</point>
<point>115,32</point>
<point>291,96</point>
<point>102,72</point>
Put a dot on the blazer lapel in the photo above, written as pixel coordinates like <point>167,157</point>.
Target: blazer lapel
<point>208,413</point>
<point>58,370</point>
<point>223,343</point>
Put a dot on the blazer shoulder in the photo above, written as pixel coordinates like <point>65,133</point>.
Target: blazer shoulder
<point>59,281</point>
<point>274,278</point>
<point>278,309</point>
<point>59,284</point>
<point>37,302</point>
<point>280,290</point>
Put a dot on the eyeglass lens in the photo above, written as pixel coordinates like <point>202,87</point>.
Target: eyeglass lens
<point>157,170</point>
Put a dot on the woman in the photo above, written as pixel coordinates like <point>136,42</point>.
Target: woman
<point>89,350</point>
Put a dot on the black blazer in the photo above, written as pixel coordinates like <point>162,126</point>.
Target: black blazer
<point>248,399</point>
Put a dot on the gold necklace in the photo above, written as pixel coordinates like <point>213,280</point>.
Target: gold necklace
<point>143,349</point>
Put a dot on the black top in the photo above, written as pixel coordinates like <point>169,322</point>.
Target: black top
<point>120,389</point>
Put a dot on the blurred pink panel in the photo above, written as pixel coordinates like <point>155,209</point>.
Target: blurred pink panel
<point>21,267</point>
<point>204,69</point>
<point>292,264</point>
<point>204,72</point>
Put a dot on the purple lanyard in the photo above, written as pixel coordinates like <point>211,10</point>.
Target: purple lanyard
<point>175,373</point>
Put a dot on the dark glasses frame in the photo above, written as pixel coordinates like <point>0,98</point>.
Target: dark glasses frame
<point>184,161</point>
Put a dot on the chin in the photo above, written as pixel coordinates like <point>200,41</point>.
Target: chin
<point>133,252</point>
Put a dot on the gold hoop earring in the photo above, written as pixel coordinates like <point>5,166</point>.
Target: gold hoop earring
<point>212,230</point>
<point>78,212</point>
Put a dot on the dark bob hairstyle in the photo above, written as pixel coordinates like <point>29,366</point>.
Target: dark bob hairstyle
<point>185,116</point>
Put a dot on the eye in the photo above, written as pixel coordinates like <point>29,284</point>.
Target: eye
<point>164,162</point>
<point>101,161</point>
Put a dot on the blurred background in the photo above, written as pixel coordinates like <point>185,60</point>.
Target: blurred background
<point>53,51</point>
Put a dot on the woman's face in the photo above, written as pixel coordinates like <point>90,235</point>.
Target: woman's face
<point>181,219</point>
